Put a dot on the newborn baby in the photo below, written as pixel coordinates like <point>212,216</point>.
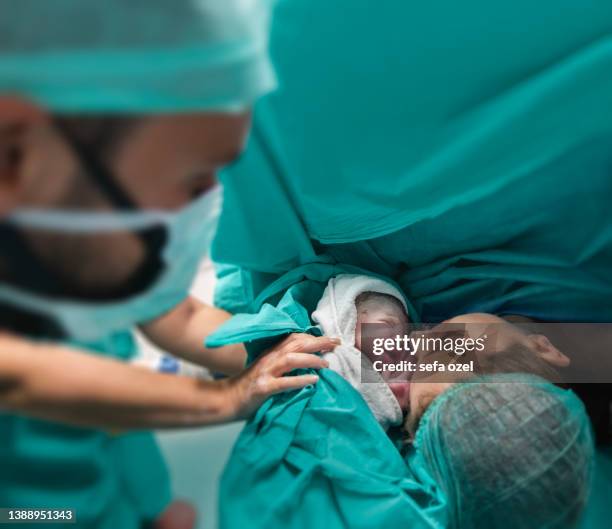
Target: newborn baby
<point>348,302</point>
<point>382,309</point>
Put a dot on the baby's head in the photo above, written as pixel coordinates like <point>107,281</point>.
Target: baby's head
<point>388,312</point>
<point>383,309</point>
<point>508,452</point>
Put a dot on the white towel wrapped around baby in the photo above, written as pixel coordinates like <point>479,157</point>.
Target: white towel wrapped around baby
<point>336,315</point>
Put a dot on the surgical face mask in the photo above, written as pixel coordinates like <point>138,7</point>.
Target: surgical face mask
<point>174,243</point>
<point>189,234</point>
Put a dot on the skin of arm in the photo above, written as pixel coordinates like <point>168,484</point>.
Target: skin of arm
<point>74,387</point>
<point>182,333</point>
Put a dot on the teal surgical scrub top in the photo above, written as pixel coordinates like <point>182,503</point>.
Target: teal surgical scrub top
<point>111,481</point>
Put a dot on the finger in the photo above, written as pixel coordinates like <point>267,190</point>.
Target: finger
<point>294,336</point>
<point>285,342</point>
<point>331,345</point>
<point>310,344</point>
<point>286,363</point>
<point>279,385</point>
<point>289,343</point>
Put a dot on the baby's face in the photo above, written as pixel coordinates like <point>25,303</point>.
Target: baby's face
<point>389,315</point>
<point>383,311</point>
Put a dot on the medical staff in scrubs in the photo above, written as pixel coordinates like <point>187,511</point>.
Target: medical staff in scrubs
<point>114,119</point>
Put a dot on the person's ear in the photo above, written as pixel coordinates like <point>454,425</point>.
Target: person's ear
<point>548,352</point>
<point>16,117</point>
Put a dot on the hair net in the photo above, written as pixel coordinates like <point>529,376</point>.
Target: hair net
<point>507,454</point>
<point>136,56</point>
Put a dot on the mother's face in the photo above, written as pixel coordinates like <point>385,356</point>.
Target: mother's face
<point>504,341</point>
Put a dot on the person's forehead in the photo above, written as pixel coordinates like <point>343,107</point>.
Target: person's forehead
<point>380,303</point>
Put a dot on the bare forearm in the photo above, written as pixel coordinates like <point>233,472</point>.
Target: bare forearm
<point>74,387</point>
<point>183,331</point>
<point>70,386</point>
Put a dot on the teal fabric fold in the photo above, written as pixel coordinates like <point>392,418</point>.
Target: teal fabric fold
<point>462,150</point>
<point>318,458</point>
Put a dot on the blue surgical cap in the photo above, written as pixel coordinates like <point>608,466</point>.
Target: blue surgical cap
<point>508,452</point>
<point>136,56</point>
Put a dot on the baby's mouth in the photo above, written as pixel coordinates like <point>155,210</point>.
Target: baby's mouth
<point>400,387</point>
<point>401,391</point>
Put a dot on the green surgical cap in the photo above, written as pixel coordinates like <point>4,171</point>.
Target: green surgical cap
<point>136,56</point>
<point>509,454</point>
